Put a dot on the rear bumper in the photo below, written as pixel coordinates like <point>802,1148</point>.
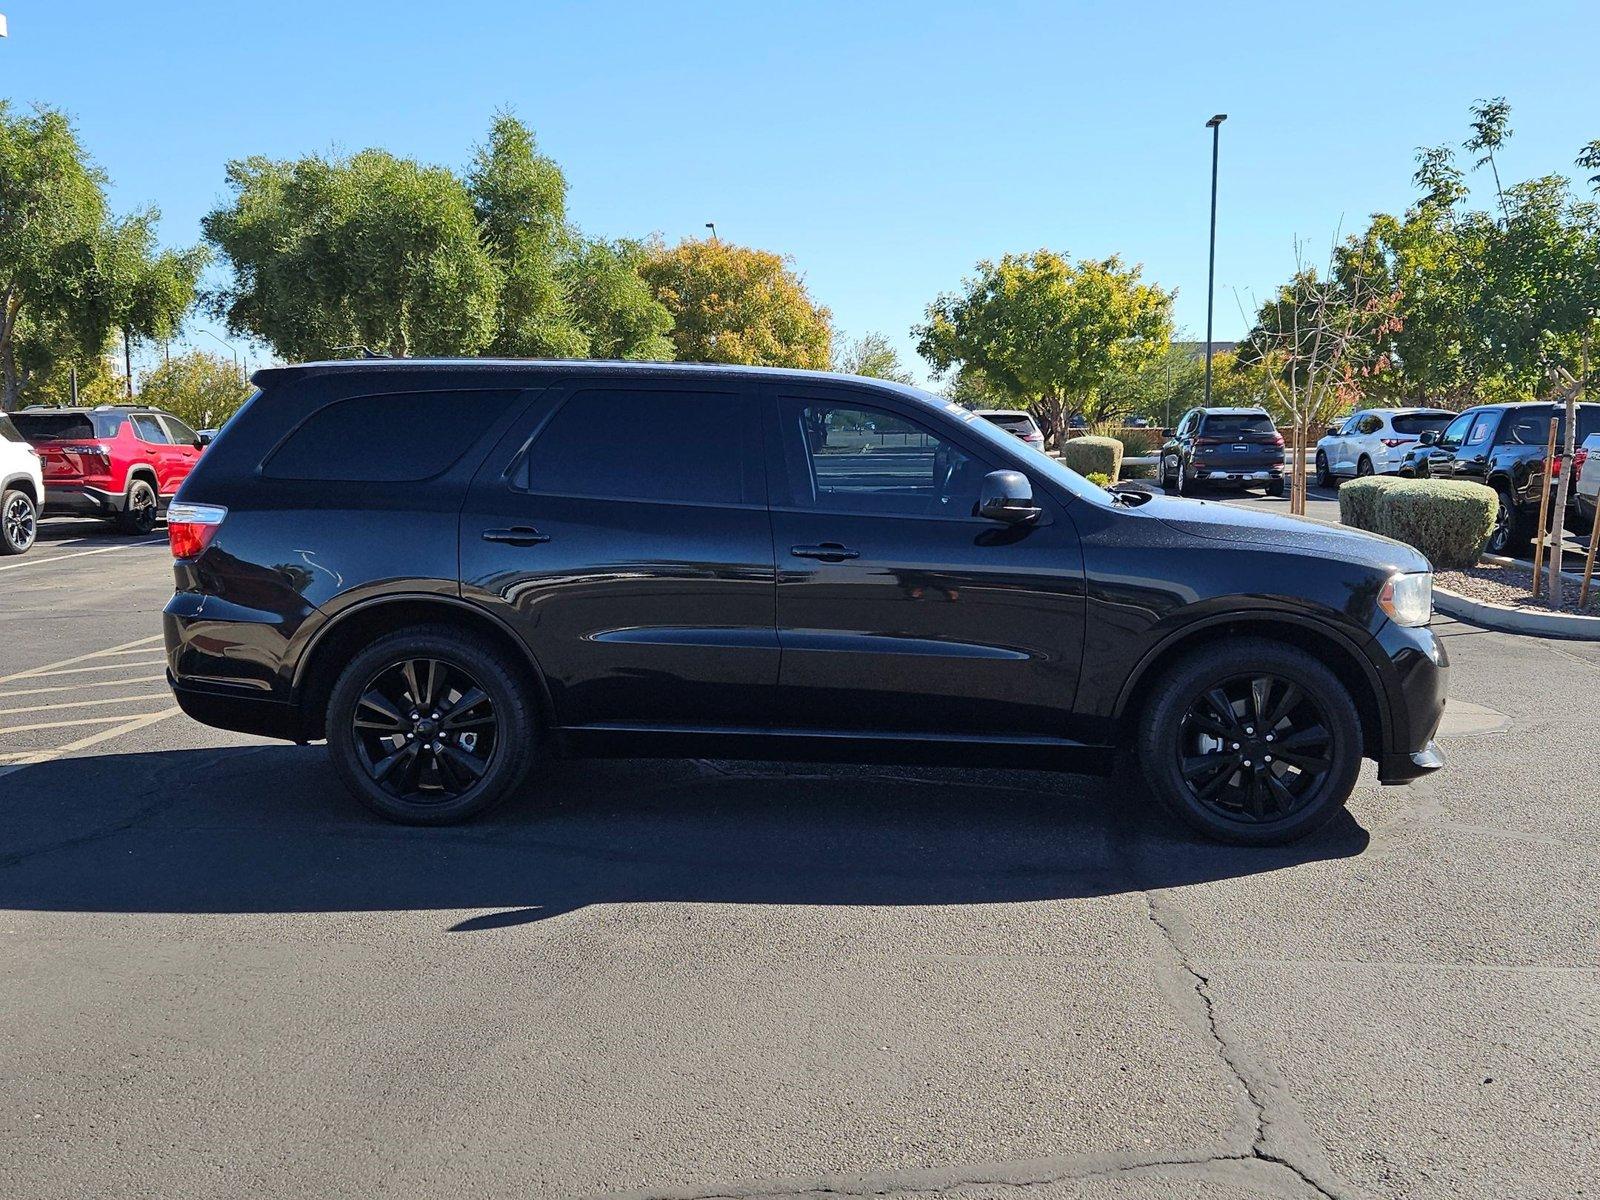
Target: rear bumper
<point>1244,474</point>
<point>80,500</point>
<point>242,713</point>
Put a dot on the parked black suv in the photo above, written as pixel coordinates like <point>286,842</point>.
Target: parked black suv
<point>1501,445</point>
<point>1223,445</point>
<point>451,570</point>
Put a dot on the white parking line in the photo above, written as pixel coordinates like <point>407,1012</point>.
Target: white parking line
<point>39,562</point>
<point>105,735</point>
<point>119,666</point>
<point>54,705</point>
<point>9,729</point>
<point>78,687</point>
<point>92,654</point>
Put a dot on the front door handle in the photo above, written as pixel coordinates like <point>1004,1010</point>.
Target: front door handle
<point>517,535</point>
<point>827,552</point>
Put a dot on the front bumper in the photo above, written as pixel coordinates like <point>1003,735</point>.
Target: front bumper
<point>1403,768</point>
<point>1416,683</point>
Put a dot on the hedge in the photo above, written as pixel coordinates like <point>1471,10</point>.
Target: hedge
<point>1446,519</point>
<point>1358,501</point>
<point>1092,455</point>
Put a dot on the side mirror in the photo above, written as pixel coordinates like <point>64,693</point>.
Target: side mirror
<point>1331,431</point>
<point>1428,437</point>
<point>1169,433</point>
<point>1007,497</point>
<point>202,440</point>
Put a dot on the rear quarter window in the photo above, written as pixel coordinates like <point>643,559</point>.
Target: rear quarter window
<point>394,437</point>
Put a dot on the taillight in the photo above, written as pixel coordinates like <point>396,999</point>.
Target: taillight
<point>1393,442</point>
<point>1579,457</point>
<point>190,527</point>
<point>1277,439</point>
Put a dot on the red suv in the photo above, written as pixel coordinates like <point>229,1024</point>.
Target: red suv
<point>122,463</point>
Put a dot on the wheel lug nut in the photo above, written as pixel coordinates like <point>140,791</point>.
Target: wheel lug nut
<point>1236,745</point>
<point>1247,762</point>
<point>1249,729</point>
<point>1270,737</point>
<point>1266,758</point>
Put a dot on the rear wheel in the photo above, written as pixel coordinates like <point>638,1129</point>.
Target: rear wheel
<point>19,522</point>
<point>428,727</point>
<point>1364,467</point>
<point>138,515</point>
<point>1253,742</point>
<point>1512,531</point>
<point>1185,484</point>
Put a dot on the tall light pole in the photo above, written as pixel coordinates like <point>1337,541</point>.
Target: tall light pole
<point>1215,125</point>
<point>229,347</point>
<point>712,225</point>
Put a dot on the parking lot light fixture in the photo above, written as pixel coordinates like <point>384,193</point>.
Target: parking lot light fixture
<point>712,225</point>
<point>1215,125</point>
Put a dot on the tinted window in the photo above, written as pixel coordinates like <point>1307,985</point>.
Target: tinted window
<point>1481,429</point>
<point>8,431</point>
<point>644,445</point>
<point>178,431</point>
<point>1228,425</point>
<point>1415,423</point>
<point>1531,427</point>
<point>150,429</point>
<point>1370,423</point>
<point>1349,427</point>
<point>866,460</point>
<point>403,436</point>
<point>1456,431</point>
<point>44,426</point>
<point>1016,421</point>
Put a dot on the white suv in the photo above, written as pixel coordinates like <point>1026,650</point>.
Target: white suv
<point>21,490</point>
<point>1374,441</point>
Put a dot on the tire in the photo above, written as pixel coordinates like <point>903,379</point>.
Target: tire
<point>1172,738</point>
<point>1185,485</point>
<point>141,508</point>
<point>420,785</point>
<point>1325,477</point>
<point>1364,467</point>
<point>1512,531</point>
<point>1275,488</point>
<point>1167,479</point>
<point>19,522</point>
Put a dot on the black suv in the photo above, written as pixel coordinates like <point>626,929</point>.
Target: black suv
<point>452,570</point>
<point>1501,445</point>
<point>1223,445</point>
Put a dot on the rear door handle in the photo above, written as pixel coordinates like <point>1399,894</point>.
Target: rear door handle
<point>827,552</point>
<point>517,535</point>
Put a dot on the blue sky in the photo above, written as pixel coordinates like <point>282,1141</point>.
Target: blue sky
<point>886,147</point>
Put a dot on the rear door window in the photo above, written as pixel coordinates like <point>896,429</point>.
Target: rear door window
<point>389,438</point>
<point>669,446</point>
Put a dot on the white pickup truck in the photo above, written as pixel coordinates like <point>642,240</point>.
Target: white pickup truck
<point>1586,469</point>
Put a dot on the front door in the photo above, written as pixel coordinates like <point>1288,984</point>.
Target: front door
<point>622,531</point>
<point>899,610</point>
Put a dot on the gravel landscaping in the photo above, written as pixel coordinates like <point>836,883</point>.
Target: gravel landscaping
<point>1491,583</point>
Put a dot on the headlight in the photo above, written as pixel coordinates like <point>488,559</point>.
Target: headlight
<point>1408,599</point>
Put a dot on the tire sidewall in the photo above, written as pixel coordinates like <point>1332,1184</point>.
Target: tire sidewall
<point>131,518</point>
<point>1160,729</point>
<point>7,499</point>
<point>510,693</point>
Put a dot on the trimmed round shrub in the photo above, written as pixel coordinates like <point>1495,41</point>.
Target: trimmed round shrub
<point>1446,519</point>
<point>1092,455</point>
<point>1358,501</point>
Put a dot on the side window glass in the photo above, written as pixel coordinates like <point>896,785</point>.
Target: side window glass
<point>1456,433</point>
<point>845,458</point>
<point>1349,427</point>
<point>180,433</point>
<point>1481,429</point>
<point>686,447</point>
<point>1369,424</point>
<point>394,438</point>
<point>150,429</point>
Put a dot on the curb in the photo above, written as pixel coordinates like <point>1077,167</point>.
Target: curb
<point>1572,626</point>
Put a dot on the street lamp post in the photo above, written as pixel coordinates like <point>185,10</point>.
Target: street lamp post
<point>712,225</point>
<point>229,347</point>
<point>1215,125</point>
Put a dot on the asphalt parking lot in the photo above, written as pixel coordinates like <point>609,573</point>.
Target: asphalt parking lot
<point>701,979</point>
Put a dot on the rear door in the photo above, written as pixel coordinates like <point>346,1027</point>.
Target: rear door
<point>155,448</point>
<point>621,529</point>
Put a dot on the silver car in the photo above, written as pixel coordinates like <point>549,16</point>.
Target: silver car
<point>1374,441</point>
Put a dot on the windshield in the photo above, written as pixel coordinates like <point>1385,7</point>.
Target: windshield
<point>1231,425</point>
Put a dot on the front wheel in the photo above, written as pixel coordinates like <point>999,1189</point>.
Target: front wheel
<point>1324,476</point>
<point>1511,532</point>
<point>1252,742</point>
<point>19,522</point>
<point>428,727</point>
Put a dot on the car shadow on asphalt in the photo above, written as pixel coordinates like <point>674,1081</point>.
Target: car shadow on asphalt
<point>269,829</point>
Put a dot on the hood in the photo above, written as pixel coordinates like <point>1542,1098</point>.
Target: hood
<point>1228,523</point>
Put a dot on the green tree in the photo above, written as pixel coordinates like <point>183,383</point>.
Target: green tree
<point>870,355</point>
<point>71,274</point>
<point>1051,331</point>
<point>612,304</point>
<point>200,388</point>
<point>370,250</point>
<point>732,304</point>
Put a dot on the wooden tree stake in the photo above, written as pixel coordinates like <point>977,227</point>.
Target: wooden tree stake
<point>1544,506</point>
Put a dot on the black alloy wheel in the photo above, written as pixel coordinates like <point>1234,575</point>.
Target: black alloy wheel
<point>1364,467</point>
<point>19,522</point>
<point>142,508</point>
<point>430,725</point>
<point>1251,741</point>
<point>1324,476</point>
